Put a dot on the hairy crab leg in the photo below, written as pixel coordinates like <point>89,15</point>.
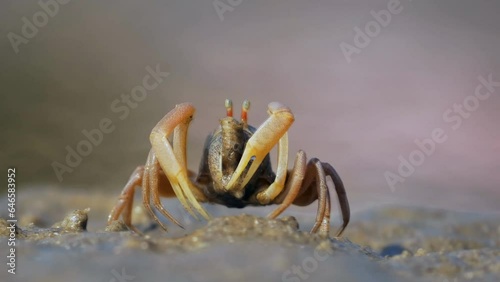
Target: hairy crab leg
<point>176,173</point>
<point>261,143</point>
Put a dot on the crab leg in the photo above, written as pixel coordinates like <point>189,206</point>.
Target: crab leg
<point>172,161</point>
<point>261,143</point>
<point>124,205</point>
<point>341,194</point>
<point>293,187</point>
<point>150,185</point>
<point>307,184</point>
<point>321,192</point>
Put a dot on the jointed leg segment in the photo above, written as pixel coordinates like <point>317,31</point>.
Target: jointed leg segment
<point>341,194</point>
<point>126,200</point>
<point>173,160</point>
<point>164,161</point>
<point>293,186</point>
<point>150,190</point>
<point>308,183</point>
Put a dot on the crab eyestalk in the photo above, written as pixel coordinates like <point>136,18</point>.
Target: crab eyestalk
<point>229,107</point>
<point>244,112</point>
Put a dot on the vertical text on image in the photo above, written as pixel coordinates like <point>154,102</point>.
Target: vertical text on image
<point>12,221</point>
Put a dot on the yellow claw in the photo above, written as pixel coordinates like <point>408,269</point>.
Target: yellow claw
<point>261,142</point>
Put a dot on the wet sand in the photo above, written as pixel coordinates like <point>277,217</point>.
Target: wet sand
<point>383,244</point>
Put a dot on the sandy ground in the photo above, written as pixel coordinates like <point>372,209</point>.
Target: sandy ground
<point>360,115</point>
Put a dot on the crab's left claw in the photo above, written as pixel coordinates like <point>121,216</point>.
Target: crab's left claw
<point>260,144</point>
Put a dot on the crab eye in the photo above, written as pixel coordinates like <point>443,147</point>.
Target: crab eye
<point>229,107</point>
<point>244,111</point>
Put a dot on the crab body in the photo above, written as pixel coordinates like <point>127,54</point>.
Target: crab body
<point>235,170</point>
<point>222,154</point>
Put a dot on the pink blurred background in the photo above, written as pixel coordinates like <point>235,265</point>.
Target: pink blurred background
<point>359,116</point>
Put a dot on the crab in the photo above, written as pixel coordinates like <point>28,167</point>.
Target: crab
<point>235,170</point>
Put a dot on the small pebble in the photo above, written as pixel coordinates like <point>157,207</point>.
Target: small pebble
<point>76,221</point>
<point>116,226</point>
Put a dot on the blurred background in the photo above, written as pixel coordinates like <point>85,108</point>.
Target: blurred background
<point>359,112</point>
